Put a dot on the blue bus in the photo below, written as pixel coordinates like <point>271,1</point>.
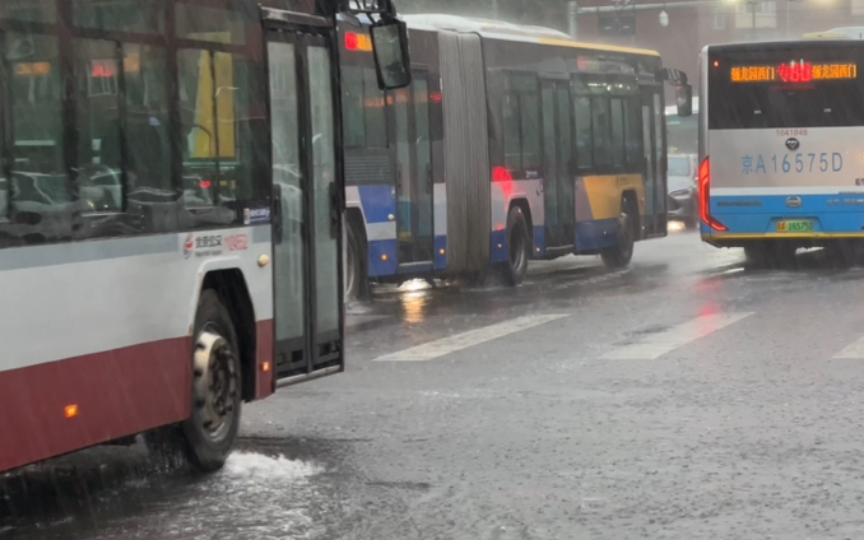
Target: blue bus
<point>512,143</point>
<point>780,159</point>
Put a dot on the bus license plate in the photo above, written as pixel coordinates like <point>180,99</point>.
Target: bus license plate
<point>795,226</point>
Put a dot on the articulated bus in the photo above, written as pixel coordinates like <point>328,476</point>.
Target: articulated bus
<point>781,166</point>
<point>154,192</point>
<point>513,143</point>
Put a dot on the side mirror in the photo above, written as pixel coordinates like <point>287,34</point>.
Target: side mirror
<point>684,100</point>
<point>390,45</point>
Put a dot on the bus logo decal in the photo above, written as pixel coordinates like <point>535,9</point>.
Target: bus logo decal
<point>792,143</point>
<point>794,202</point>
<point>188,246</point>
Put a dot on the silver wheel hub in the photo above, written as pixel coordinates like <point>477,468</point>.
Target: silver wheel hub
<point>215,384</point>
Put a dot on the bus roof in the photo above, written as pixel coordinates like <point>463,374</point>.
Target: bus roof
<point>845,32</point>
<point>822,38</point>
<point>509,31</point>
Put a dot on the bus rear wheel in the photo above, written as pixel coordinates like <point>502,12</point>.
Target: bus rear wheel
<point>518,248</point>
<point>770,255</point>
<point>621,253</point>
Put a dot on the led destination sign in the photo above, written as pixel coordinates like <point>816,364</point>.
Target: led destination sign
<point>794,72</point>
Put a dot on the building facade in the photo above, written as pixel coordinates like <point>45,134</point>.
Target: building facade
<point>690,25</point>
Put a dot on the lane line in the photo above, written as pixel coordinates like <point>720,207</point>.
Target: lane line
<point>656,345</point>
<point>444,346</point>
<point>853,350</point>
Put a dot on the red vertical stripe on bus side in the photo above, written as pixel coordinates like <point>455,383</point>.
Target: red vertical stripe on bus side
<point>264,378</point>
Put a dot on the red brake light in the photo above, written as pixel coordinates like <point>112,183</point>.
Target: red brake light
<point>352,41</point>
<point>206,184</point>
<point>501,174</point>
<point>705,197</point>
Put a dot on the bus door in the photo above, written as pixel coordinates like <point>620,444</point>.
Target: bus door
<point>654,145</point>
<point>307,256</point>
<point>559,200</point>
<point>414,181</point>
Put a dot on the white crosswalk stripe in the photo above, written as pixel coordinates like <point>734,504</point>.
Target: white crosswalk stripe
<point>656,345</point>
<point>451,344</point>
<point>853,350</point>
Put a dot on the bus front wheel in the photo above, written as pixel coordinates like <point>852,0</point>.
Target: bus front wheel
<point>211,429</point>
<point>518,247</point>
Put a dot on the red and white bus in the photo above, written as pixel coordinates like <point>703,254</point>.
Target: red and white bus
<point>170,245</point>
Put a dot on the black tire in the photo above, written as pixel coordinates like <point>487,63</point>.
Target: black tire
<point>843,253</point>
<point>691,222</point>
<point>356,281</point>
<point>620,255</point>
<point>217,384</point>
<point>771,255</point>
<point>518,248</point>
<point>756,255</point>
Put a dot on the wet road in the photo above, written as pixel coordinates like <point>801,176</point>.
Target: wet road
<point>687,396</point>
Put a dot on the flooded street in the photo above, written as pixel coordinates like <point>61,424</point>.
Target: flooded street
<point>652,402</point>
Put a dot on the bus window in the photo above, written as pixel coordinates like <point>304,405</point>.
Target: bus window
<point>600,126</point>
<point>512,143</point>
<point>38,11</point>
<point>141,16</point>
<point>353,113</point>
<point>101,161</point>
<point>617,149</point>
<point>363,109</point>
<point>147,135</point>
<point>39,180</point>
<point>213,24</point>
<point>584,141</point>
<point>633,133</point>
<point>522,130</point>
<point>373,105</point>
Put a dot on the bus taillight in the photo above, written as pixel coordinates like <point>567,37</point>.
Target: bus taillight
<point>705,197</point>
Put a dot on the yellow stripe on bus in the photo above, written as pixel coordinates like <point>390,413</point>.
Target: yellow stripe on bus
<point>595,47</point>
<point>605,193</point>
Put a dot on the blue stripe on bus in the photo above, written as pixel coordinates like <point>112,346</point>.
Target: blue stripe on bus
<point>440,259</point>
<point>378,249</point>
<point>498,254</point>
<point>757,215</point>
<point>597,234</point>
<point>378,203</point>
<point>776,204</point>
<point>539,242</point>
<point>390,248</point>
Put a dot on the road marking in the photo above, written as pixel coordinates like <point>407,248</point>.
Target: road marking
<point>854,350</point>
<point>656,345</point>
<point>441,347</point>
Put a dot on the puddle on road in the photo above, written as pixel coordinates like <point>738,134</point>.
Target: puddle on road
<point>255,497</point>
